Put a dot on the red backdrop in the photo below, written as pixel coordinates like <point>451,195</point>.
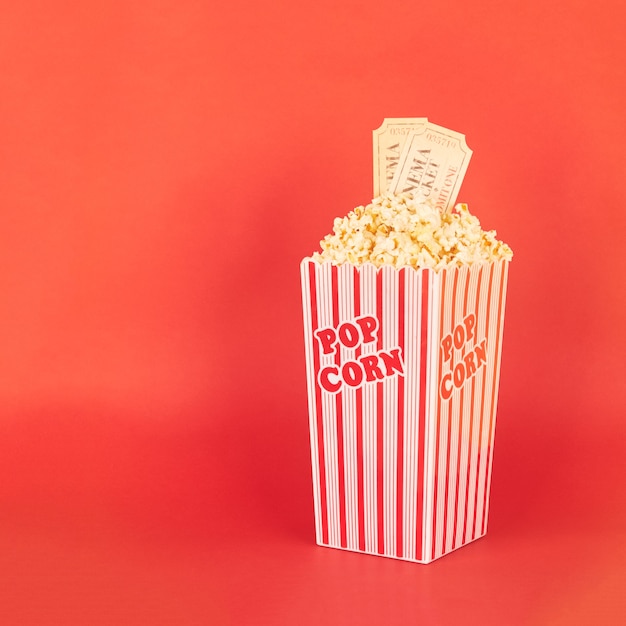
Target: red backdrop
<point>164,168</point>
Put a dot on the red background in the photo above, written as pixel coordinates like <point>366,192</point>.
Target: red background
<point>164,168</point>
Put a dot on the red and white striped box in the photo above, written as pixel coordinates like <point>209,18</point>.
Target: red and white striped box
<point>402,375</point>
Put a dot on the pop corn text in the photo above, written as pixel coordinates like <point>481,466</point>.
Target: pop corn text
<point>361,369</point>
<point>463,336</point>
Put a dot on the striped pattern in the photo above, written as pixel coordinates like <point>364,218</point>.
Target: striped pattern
<point>397,470</point>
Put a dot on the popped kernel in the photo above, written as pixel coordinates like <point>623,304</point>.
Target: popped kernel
<point>407,230</point>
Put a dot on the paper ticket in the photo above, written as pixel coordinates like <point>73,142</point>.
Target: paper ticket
<point>388,142</point>
<point>431,159</point>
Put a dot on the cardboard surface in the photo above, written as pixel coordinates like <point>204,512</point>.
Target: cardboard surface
<point>402,374</point>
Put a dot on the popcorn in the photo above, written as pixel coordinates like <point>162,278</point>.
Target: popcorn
<point>407,230</point>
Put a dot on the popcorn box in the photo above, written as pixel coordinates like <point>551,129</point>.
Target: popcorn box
<point>402,376</point>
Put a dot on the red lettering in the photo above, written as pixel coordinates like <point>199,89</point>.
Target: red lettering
<point>348,335</point>
<point>467,367</point>
<point>459,374</point>
<point>470,366</point>
<point>368,325</point>
<point>459,336</point>
<point>470,322</point>
<point>446,344</point>
<point>392,361</point>
<point>352,373</point>
<point>325,381</point>
<point>327,338</point>
<point>446,389</point>
<point>481,353</point>
<point>370,365</point>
